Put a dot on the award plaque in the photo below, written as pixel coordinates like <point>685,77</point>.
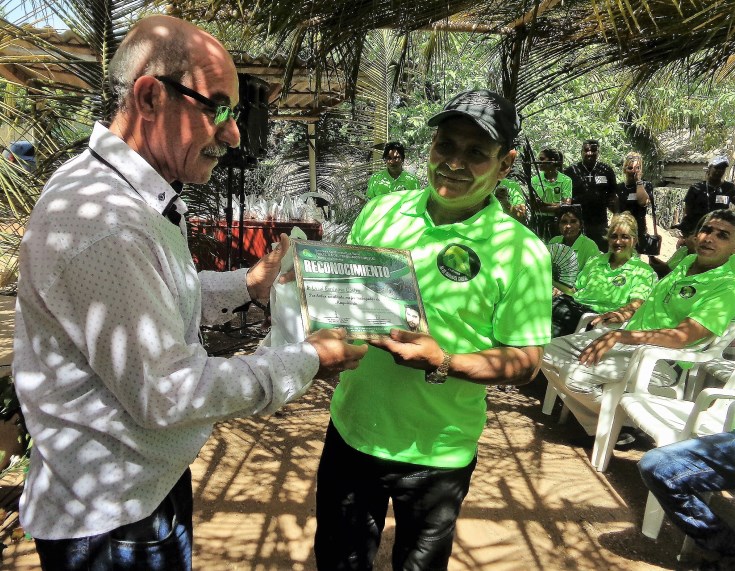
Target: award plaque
<point>368,291</point>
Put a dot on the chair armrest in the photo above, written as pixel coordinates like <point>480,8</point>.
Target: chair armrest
<point>648,355</point>
<point>703,402</point>
<point>708,396</point>
<point>642,363</point>
<point>586,318</point>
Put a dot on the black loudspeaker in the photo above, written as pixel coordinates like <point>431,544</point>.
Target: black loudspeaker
<point>253,124</point>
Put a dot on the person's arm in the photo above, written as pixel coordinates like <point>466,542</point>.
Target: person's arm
<point>613,203</point>
<point>641,192</point>
<point>500,365</point>
<point>223,292</point>
<point>619,315</point>
<point>569,171</point>
<point>137,332</point>
<point>684,334</point>
<point>689,201</point>
<point>566,190</point>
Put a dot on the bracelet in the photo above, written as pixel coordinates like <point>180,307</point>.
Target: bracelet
<point>639,182</point>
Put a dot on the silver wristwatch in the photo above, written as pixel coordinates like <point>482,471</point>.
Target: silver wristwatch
<point>439,375</point>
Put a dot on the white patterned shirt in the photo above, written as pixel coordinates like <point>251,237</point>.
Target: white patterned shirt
<point>116,388</point>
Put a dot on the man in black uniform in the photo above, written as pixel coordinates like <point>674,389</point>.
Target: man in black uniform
<point>594,188</point>
<point>713,193</point>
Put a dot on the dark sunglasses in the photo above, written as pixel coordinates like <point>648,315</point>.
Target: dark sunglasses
<point>222,113</point>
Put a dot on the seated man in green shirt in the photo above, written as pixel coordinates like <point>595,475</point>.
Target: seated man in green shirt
<point>392,178</point>
<point>405,425</point>
<point>693,302</point>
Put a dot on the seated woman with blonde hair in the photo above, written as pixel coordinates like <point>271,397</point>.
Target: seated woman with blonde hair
<point>613,284</point>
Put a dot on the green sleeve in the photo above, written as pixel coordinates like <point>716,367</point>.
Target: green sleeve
<point>355,235</point>
<point>536,185</point>
<point>715,310</point>
<point>522,318</point>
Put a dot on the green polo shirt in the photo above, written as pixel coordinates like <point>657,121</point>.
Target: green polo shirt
<point>585,248</point>
<point>707,298</point>
<point>383,183</point>
<point>484,282</point>
<point>552,192</point>
<point>605,289</point>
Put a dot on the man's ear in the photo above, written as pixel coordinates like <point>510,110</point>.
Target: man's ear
<point>506,163</point>
<point>148,97</point>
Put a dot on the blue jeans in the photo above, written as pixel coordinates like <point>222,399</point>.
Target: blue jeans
<point>352,494</point>
<point>159,542</point>
<point>679,473</point>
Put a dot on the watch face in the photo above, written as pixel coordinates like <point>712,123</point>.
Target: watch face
<point>435,378</point>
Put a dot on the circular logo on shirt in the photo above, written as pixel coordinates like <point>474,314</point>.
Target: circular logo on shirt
<point>458,263</point>
<point>687,291</point>
<point>619,281</point>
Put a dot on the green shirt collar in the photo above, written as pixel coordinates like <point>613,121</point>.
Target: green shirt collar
<point>476,227</point>
<point>726,268</point>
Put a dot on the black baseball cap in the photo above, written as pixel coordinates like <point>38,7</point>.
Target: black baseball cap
<point>491,112</point>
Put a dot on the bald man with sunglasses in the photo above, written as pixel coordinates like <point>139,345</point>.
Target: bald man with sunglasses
<point>116,388</point>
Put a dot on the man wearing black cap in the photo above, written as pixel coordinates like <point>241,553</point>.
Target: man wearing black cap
<point>713,193</point>
<point>594,188</point>
<point>405,425</point>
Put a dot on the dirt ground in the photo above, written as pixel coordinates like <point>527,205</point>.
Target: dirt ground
<point>535,501</point>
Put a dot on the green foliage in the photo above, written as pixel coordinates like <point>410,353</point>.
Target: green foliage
<point>596,105</point>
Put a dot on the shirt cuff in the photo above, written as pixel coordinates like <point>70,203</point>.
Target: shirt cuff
<point>300,364</point>
<point>222,292</point>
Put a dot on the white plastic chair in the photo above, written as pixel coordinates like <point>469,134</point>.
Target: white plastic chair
<point>637,378</point>
<point>669,420</point>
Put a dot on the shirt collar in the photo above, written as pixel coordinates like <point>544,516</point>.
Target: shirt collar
<point>477,227</point>
<point>145,181</point>
<point>726,268</point>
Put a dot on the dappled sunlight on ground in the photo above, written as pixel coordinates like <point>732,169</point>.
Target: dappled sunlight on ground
<point>535,501</point>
